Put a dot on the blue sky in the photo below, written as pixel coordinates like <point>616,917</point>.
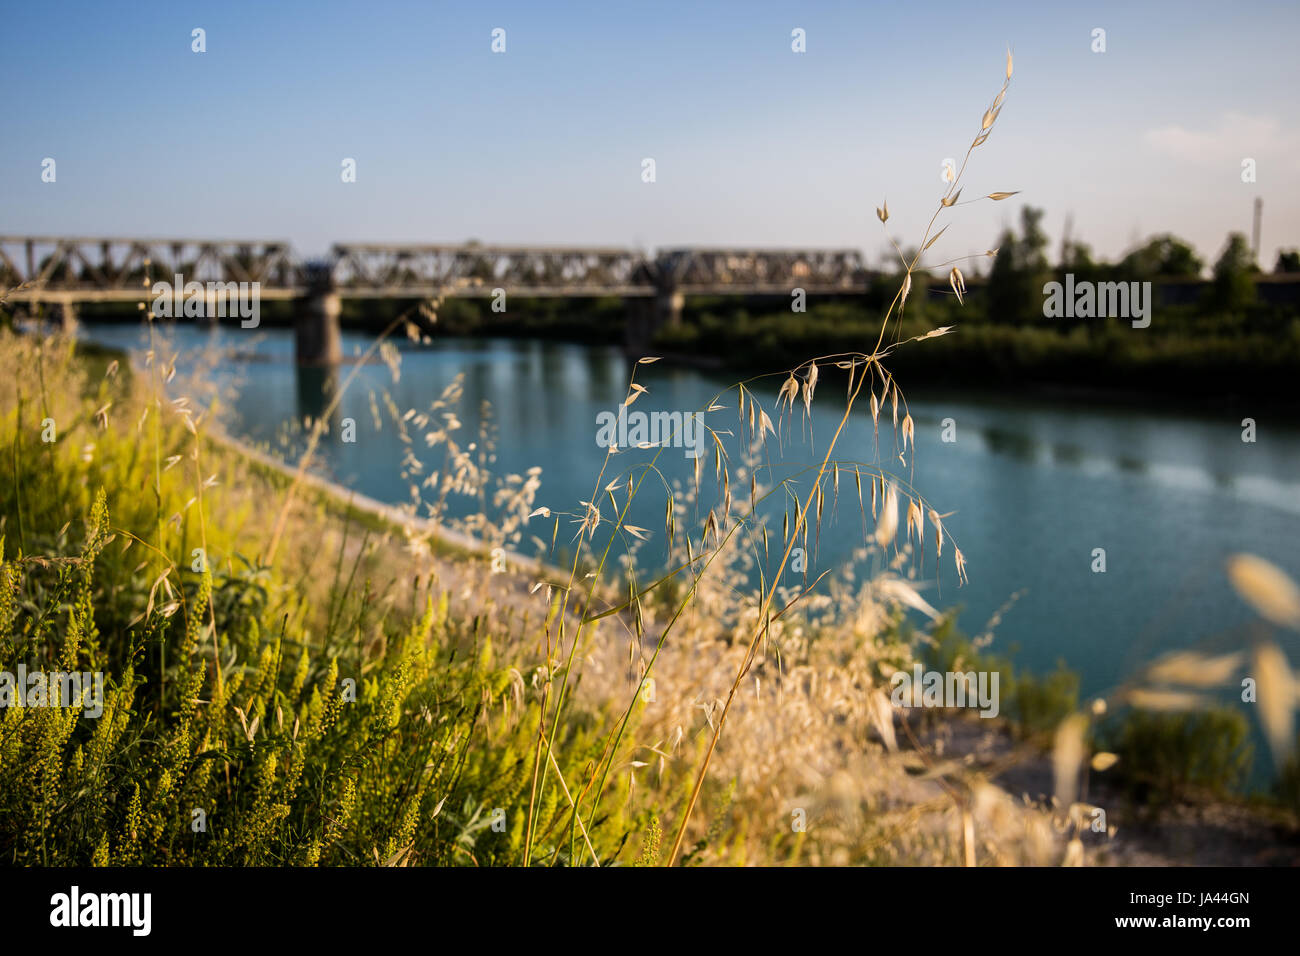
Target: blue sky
<point>753,144</point>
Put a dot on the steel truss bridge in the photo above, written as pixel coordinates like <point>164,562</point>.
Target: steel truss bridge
<point>68,270</point>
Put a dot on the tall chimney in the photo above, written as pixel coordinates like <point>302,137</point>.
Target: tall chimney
<point>1254,242</point>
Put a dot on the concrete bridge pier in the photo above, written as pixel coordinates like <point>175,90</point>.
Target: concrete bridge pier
<point>646,316</point>
<point>68,315</point>
<point>209,318</point>
<point>317,340</point>
<point>638,329</point>
<point>668,308</point>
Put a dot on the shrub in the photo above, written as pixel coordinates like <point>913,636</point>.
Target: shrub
<point>1171,757</point>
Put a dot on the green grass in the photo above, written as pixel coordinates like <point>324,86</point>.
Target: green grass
<point>341,722</point>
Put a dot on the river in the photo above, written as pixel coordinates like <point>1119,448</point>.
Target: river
<point>1034,486</point>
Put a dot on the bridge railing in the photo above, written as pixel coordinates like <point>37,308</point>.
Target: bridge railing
<point>120,265</point>
<point>763,269</point>
<point>557,269</point>
<point>115,268</point>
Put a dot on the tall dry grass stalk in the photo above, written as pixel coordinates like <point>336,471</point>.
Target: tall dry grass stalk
<point>861,368</point>
<point>798,388</point>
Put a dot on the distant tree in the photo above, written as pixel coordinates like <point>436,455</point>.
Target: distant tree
<point>1077,257</point>
<point>1020,269</point>
<point>483,268</point>
<point>886,284</point>
<point>58,274</point>
<point>1164,256</point>
<point>1288,260</point>
<point>1031,250</point>
<point>1234,275</point>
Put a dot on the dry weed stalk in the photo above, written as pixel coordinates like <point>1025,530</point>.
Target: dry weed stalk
<point>870,365</point>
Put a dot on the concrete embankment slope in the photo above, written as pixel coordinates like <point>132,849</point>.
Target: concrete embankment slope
<point>389,514</point>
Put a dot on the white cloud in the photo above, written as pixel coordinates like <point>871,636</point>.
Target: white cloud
<point>1235,136</point>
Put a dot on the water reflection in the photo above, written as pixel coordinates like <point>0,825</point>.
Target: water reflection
<point>1068,455</point>
<point>1012,444</point>
<point>1132,465</point>
<point>316,389</point>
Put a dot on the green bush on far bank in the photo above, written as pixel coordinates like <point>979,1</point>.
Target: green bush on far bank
<point>1255,349</point>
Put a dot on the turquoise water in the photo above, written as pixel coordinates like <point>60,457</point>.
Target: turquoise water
<point>1035,486</point>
